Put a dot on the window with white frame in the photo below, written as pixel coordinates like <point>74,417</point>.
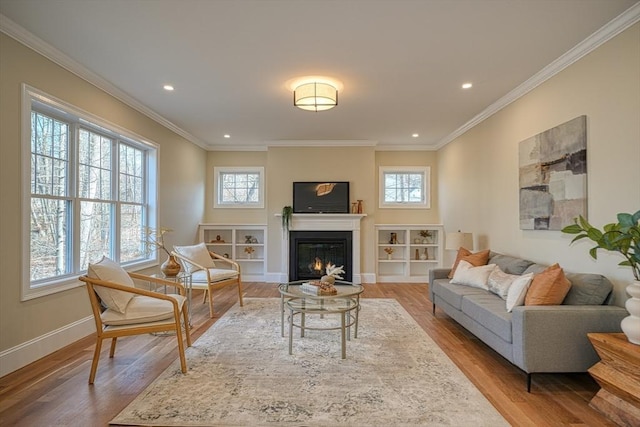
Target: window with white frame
<point>404,187</point>
<point>89,194</point>
<point>238,187</point>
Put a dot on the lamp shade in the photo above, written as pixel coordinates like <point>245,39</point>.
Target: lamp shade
<point>458,239</point>
<point>315,96</point>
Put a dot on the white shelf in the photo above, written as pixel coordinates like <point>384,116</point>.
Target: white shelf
<point>235,242</point>
<point>406,265</point>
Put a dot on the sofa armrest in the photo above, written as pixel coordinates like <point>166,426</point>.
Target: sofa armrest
<point>554,338</point>
<point>437,273</point>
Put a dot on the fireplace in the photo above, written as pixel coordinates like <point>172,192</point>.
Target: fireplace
<point>311,251</point>
<point>324,223</point>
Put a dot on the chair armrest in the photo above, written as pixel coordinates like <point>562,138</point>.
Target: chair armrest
<point>234,264</point>
<point>96,282</point>
<point>554,338</point>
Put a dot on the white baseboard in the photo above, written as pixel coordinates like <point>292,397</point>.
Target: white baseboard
<point>21,355</point>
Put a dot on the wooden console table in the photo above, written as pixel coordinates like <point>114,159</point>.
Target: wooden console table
<point>618,374</point>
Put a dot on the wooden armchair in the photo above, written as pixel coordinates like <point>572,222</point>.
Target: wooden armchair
<point>144,312</point>
<point>198,261</point>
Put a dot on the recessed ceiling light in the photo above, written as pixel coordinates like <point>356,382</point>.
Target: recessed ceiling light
<point>415,135</point>
<point>226,135</point>
<point>168,87</point>
<point>467,86</point>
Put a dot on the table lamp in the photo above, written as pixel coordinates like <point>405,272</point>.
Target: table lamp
<point>458,239</point>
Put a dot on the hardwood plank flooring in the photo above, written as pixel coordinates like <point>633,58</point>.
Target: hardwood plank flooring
<point>54,391</point>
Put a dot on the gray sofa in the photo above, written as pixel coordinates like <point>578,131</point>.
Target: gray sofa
<point>537,339</point>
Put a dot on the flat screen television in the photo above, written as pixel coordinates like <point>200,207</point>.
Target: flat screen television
<point>321,197</point>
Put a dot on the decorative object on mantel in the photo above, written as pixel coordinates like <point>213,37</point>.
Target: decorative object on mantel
<point>155,238</point>
<point>287,215</point>
<point>553,176</point>
<point>332,273</point>
<point>354,207</point>
<point>389,252</point>
<point>360,207</point>
<point>622,237</point>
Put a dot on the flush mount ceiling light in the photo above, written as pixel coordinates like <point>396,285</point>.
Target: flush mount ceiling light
<point>315,96</point>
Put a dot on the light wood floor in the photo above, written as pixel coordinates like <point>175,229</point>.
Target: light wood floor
<point>54,390</point>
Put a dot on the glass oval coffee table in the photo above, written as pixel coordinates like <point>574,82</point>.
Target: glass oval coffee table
<point>346,303</point>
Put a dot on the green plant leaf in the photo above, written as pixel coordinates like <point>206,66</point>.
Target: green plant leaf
<point>626,220</point>
<point>594,252</point>
<point>594,234</point>
<point>572,229</point>
<point>582,236</point>
<point>583,223</point>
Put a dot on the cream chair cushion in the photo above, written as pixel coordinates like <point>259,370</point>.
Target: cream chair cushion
<point>143,309</point>
<point>110,271</point>
<point>216,275</point>
<point>198,254</point>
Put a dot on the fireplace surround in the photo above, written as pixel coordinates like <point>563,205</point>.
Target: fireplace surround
<point>327,223</point>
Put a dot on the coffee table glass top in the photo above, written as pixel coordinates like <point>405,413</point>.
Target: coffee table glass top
<point>345,290</point>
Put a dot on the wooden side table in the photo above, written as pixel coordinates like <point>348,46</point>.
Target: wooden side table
<point>618,374</point>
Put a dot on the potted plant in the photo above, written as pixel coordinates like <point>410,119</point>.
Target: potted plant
<point>155,239</point>
<point>287,215</point>
<point>622,237</point>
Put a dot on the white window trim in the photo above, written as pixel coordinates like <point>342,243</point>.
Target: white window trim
<point>61,283</point>
<point>218,170</point>
<point>426,187</point>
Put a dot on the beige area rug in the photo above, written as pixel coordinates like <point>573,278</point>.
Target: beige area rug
<point>241,374</point>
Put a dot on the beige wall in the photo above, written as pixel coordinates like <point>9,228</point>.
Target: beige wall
<point>478,172</point>
<point>284,165</point>
<point>181,185</point>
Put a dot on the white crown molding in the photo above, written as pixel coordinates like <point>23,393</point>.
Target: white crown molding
<point>23,36</point>
<point>390,147</point>
<point>321,143</point>
<point>595,40</point>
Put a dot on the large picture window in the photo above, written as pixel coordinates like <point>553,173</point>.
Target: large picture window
<point>404,187</point>
<point>89,194</point>
<point>241,187</point>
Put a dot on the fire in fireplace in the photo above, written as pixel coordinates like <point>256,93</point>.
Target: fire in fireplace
<point>310,251</point>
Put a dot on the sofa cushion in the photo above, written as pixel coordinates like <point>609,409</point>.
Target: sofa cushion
<point>548,288</point>
<point>518,291</point>
<point>452,294</point>
<point>143,309</point>
<point>499,282</point>
<point>535,268</point>
<point>587,289</point>
<point>476,259</point>
<point>468,275</point>
<point>509,264</point>
<point>489,310</point>
<point>108,270</point>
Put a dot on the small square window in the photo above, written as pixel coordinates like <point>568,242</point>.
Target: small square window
<point>241,187</point>
<point>405,187</point>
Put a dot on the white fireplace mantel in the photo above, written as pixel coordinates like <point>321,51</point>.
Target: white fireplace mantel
<point>327,222</point>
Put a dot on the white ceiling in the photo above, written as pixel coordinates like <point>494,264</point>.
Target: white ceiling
<point>402,62</point>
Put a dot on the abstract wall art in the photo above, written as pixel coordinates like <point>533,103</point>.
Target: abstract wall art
<point>553,176</point>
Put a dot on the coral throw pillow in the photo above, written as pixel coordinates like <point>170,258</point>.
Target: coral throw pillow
<point>476,260</point>
<point>548,288</point>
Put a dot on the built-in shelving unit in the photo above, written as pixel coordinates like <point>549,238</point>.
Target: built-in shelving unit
<point>234,241</point>
<point>416,249</point>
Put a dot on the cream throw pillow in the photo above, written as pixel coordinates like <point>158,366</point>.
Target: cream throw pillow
<point>518,291</point>
<point>499,282</point>
<point>110,271</point>
<point>468,275</point>
<point>198,254</point>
